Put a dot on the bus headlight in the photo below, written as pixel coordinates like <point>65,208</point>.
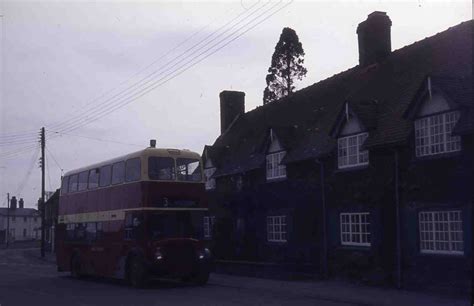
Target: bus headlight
<point>158,254</point>
<point>205,253</point>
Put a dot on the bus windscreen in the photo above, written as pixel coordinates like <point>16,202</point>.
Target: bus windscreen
<point>188,169</point>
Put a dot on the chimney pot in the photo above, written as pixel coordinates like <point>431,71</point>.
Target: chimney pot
<point>232,105</point>
<point>21,203</point>
<point>374,38</point>
<point>13,202</point>
<point>152,143</point>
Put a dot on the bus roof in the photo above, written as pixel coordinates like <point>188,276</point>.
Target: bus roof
<point>163,152</point>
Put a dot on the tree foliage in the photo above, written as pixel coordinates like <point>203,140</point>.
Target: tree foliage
<point>286,67</point>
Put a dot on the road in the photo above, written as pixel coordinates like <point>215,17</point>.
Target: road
<point>29,281</point>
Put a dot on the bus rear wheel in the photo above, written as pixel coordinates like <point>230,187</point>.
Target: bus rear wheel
<point>137,275</point>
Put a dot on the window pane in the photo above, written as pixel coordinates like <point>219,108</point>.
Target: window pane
<point>133,170</point>
<point>105,176</point>
<point>73,183</point>
<point>161,168</point>
<point>439,232</point>
<point>93,178</point>
<point>82,184</point>
<point>118,173</point>
<point>189,169</point>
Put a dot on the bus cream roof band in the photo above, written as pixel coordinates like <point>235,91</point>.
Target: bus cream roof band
<point>142,153</point>
<point>115,215</point>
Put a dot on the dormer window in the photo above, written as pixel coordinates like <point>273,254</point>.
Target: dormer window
<point>350,153</point>
<point>275,169</point>
<point>433,134</point>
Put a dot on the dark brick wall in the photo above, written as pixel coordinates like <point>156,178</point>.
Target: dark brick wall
<point>442,182</point>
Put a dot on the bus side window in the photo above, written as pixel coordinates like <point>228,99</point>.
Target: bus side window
<point>99,230</point>
<point>105,176</point>
<point>70,231</point>
<point>82,185</point>
<point>133,170</point>
<point>91,231</point>
<point>64,184</point>
<point>118,173</point>
<point>93,178</point>
<point>133,226</point>
<point>72,183</point>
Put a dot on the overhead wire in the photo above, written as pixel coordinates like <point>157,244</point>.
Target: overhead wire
<point>28,172</point>
<point>27,134</point>
<point>157,83</point>
<point>176,72</point>
<point>110,100</point>
<point>96,139</point>
<point>54,159</point>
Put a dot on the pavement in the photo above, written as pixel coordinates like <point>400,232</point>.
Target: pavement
<point>27,279</point>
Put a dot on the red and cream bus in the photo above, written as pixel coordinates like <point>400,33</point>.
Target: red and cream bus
<point>135,217</point>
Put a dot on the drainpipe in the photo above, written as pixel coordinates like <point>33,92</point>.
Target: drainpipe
<point>397,207</point>
<point>323,202</point>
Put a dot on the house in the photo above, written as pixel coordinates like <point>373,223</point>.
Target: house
<point>23,224</point>
<point>367,174</point>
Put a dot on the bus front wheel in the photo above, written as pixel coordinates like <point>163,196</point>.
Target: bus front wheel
<point>137,273</point>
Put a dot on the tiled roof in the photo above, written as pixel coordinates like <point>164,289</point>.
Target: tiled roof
<point>379,94</point>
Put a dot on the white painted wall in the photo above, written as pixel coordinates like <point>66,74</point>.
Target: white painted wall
<point>18,225</point>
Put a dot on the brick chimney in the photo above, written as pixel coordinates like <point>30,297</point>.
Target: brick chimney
<point>13,202</point>
<point>232,105</point>
<point>374,38</point>
<point>21,203</point>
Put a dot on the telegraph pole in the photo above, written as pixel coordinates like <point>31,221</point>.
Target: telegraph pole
<point>7,235</point>
<point>43,143</point>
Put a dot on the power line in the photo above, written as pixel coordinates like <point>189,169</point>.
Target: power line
<point>163,80</point>
<point>97,139</point>
<point>28,173</point>
<point>111,99</point>
<point>176,72</point>
<point>16,152</point>
<point>27,134</point>
<point>52,156</point>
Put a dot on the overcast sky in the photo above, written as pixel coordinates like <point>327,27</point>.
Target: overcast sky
<point>66,63</point>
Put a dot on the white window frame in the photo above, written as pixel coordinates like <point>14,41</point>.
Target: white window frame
<point>359,221</point>
<point>352,144</point>
<point>274,168</point>
<point>433,134</point>
<point>210,182</point>
<point>276,229</point>
<point>441,232</point>
<point>208,226</point>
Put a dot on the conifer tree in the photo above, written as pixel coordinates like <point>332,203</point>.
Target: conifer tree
<point>286,67</point>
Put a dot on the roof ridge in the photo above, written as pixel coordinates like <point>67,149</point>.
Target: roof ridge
<point>345,72</point>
